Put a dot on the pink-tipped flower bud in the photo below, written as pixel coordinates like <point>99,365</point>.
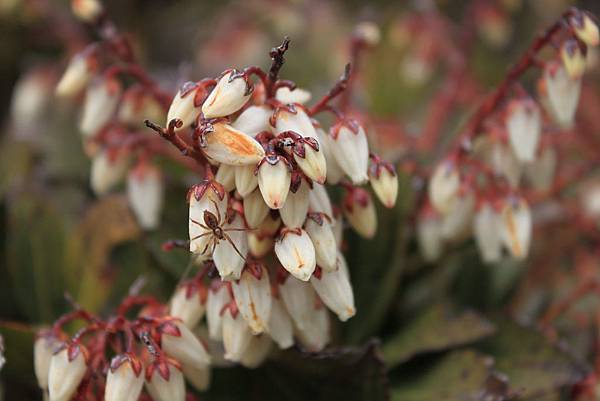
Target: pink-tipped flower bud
<point>253,120</point>
<point>443,186</point>
<point>218,297</point>
<point>209,197</point>
<point>229,95</point>
<point>516,227</point>
<point>287,96</point>
<point>524,125</point>
<point>188,304</point>
<point>252,293</point>
<point>185,105</point>
<point>296,253</point>
<point>359,210</point>
<point>294,118</point>
<point>585,28</point>
<point>274,179</point>
<point>573,58</point>
<point>318,226</point>
<point>245,179</point>
<point>67,368</point>
<point>335,291</point>
<point>280,328</point>
<point>164,380</point>
<point>226,177</point>
<point>42,354</point>
<point>349,146</point>
<point>319,201</point>
<point>316,332</point>
<point>486,227</point>
<point>384,181</point>
<point>563,93</point>
<point>78,74</point>
<point>87,10</point>
<point>199,378</point>
<point>255,209</point>
<point>236,335</point>
<point>124,380</point>
<point>294,210</point>
<point>229,255</point>
<point>101,100</point>
<point>108,170</point>
<point>180,343</point>
<point>257,351</point>
<point>227,145</point>
<point>145,192</point>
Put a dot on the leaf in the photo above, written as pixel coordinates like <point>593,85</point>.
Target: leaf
<point>463,375</point>
<point>535,367</point>
<point>436,329</point>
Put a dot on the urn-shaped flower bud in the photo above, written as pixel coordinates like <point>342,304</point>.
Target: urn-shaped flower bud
<point>124,380</point>
<point>101,100</point>
<point>255,209</point>
<point>318,228</point>
<point>188,304</point>
<point>199,378</point>
<point>108,170</point>
<point>252,293</point>
<point>236,335</point>
<point>486,227</point>
<point>296,253</point>
<point>67,368</point>
<point>504,162</point>
<point>229,95</point>
<point>180,343</point>
<point>253,120</point>
<point>185,105</point>
<point>217,298</point>
<point>573,59</point>
<point>227,145</point>
<point>563,93</point>
<point>457,223</point>
<point>333,170</point>
<point>245,179</point>
<point>299,299</point>
<point>226,177</point>
<point>78,74</point>
<point>87,10</point>
<point>444,186</point>
<point>164,381</point>
<point>311,159</point>
<point>287,96</point>
<point>42,354</point>
<point>429,235</point>
<point>315,334</point>
<point>349,146</point>
<point>294,210</point>
<point>384,181</point>
<point>524,125</point>
<point>319,201</point>
<point>516,227</point>
<point>229,255</point>
<point>294,118</point>
<point>205,199</point>
<point>257,352</point>
<point>585,29</point>
<point>145,192</point>
<point>359,210</point>
<point>280,328</point>
<point>274,178</point>
<point>540,173</point>
<point>335,291</point>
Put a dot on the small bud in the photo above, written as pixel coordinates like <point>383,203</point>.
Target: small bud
<point>87,10</point>
<point>199,378</point>
<point>274,178</point>
<point>227,259</point>
<point>349,146</point>
<point>188,304</point>
<point>516,227</point>
<point>180,343</point>
<point>124,380</point>
<point>315,334</point>
<point>457,223</point>
<point>164,381</point>
<point>541,172</point>
<point>101,100</point>
<point>184,107</point>
<point>252,293</point>
<point>228,96</point>
<point>257,351</point>
<point>318,228</point>
<point>294,210</point>
<point>524,125</point>
<point>443,186</point>
<point>67,368</point>
<point>208,196</point>
<point>280,328</point>
<point>255,209</point>
<point>108,170</point>
<point>335,291</point>
<point>260,246</point>
<point>384,181</point>
<point>585,29</point>
<point>486,227</point>
<point>42,354</point>
<point>145,193</point>
<point>360,212</point>
<point>429,235</point>
<point>296,253</point>
<point>332,168</point>
<point>318,200</point>
<point>368,32</point>
<point>138,105</point>
<point>504,162</point>
<point>573,59</point>
<point>30,100</point>
<point>236,335</point>
<point>226,177</point>
<point>299,298</point>
<point>253,120</point>
<point>563,94</point>
<point>217,298</point>
<point>294,118</point>
<point>287,96</point>
<point>245,179</point>
<point>78,74</point>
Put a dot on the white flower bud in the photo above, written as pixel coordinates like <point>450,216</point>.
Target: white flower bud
<point>124,380</point>
<point>335,291</point>
<point>338,230</point>
<point>563,94</point>
<point>443,186</point>
<point>228,96</point>
<point>87,10</point>
<point>257,351</point>
<point>42,354</point>
<point>504,162</point>
<point>516,226</point>
<point>296,253</point>
<point>315,334</point>
<point>67,368</point>
<point>294,119</point>
<point>107,171</point>
<point>486,227</point>
<point>252,293</point>
<point>313,163</point>
<point>590,200</point>
<point>274,178</point>
<point>318,228</point>
<point>299,298</point>
<point>359,210</point>
<point>253,120</point>
<point>429,235</point>
<point>294,210</point>
<point>287,96</point>
<point>170,387</point>
<point>255,209</point>
<point>585,29</point>
<point>30,99</point>
<point>101,100</point>
<point>573,58</point>
<point>541,172</point>
<point>226,177</point>
<point>319,201</point>
<point>245,179</point>
<point>384,181</point>
<point>524,125</point>
<point>78,74</point>
<point>138,105</point>
<point>368,32</point>
<point>350,148</point>
<point>227,145</point>
<point>215,301</point>
<point>260,246</point>
<point>236,336</point>
<point>184,107</point>
<point>199,378</point>
<point>457,223</point>
<point>203,198</point>
<point>188,304</point>
<point>334,171</point>
<point>145,192</point>
<point>180,343</point>
<point>281,329</point>
<point>229,263</point>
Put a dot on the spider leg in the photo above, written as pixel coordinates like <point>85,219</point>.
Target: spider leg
<point>239,229</point>
<point>218,212</point>
<point>200,236</point>
<point>200,224</point>
<point>228,238</point>
<point>206,247</point>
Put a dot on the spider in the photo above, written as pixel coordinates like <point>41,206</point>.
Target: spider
<point>213,223</point>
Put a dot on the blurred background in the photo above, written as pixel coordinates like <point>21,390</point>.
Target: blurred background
<point>57,237</point>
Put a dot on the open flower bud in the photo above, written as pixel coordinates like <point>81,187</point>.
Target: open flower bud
<point>180,343</point>
<point>524,125</point>
<point>563,93</point>
<point>287,96</point>
<point>229,95</point>
<point>188,304</point>
<point>78,74</point>
<point>145,193</point>
<point>164,381</point>
<point>318,228</point>
<point>199,378</point>
<point>299,299</point>
<point>236,335</point>
<point>253,120</point>
<point>318,200</point>
<point>87,10</point>
<point>101,100</point>
<point>67,368</point>
<point>335,291</point>
<point>296,253</point>
<point>360,212</point>
<point>443,186</point>
<point>124,380</point>
<point>486,227</point>
<point>515,228</point>
<point>252,293</point>
<point>209,197</point>
<point>42,354</point>
<point>217,298</point>
<point>245,179</point>
<point>585,29</point>
<point>294,210</point>
<point>294,118</point>
<point>540,173</point>
<point>333,170</point>
<point>257,352</point>
<point>226,177</point>
<point>315,334</point>
<point>457,223</point>
<point>225,144</point>
<point>349,146</point>
<point>229,257</point>
<point>107,171</point>
<point>573,59</point>
<point>184,106</point>
<point>260,246</point>
<point>280,328</point>
<point>429,235</point>
<point>255,209</point>
<point>311,159</point>
<point>274,179</point>
<point>384,181</point>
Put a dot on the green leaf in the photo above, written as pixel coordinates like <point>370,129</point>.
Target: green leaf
<point>436,329</point>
